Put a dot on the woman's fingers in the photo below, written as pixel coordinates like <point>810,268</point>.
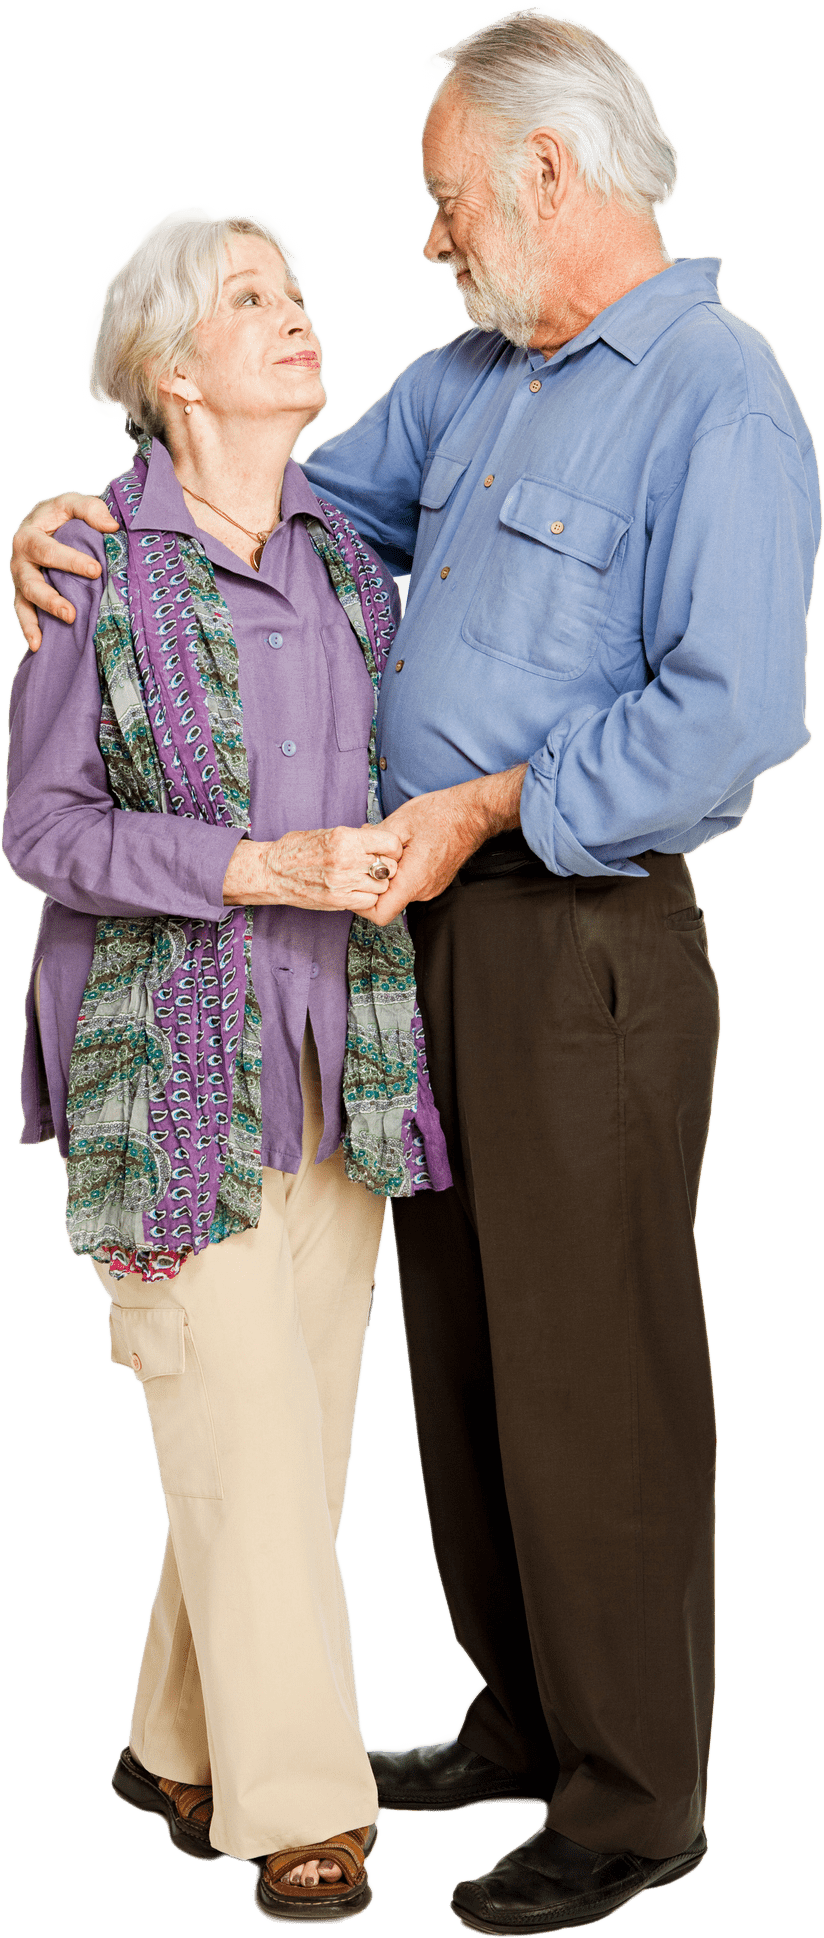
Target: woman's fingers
<point>381,840</point>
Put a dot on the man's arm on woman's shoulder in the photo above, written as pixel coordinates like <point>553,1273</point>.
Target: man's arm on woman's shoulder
<point>35,548</point>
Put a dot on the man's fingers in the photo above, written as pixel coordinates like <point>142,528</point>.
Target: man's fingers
<point>388,906</point>
<point>92,510</point>
<point>27,619</point>
<point>34,547</point>
<point>53,512</point>
<point>33,590</point>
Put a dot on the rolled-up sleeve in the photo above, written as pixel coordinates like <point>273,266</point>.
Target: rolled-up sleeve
<point>727,585</point>
<point>62,831</point>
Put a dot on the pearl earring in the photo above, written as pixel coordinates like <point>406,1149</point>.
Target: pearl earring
<point>187,410</point>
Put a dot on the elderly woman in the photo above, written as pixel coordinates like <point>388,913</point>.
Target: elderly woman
<point>189,780</point>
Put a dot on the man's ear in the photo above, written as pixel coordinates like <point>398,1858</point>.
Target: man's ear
<point>553,171</point>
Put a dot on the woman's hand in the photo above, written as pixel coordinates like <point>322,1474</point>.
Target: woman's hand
<point>34,547</point>
<point>323,868</point>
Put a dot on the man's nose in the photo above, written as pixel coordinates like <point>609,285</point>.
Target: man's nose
<point>439,244</point>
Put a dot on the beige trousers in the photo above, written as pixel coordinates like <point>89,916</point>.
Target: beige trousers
<point>249,1360</point>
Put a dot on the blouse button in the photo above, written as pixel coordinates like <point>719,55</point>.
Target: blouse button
<point>275,639</point>
<point>315,969</point>
<point>288,747</point>
<point>137,1362</point>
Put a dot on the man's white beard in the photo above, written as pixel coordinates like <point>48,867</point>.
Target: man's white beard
<point>508,301</point>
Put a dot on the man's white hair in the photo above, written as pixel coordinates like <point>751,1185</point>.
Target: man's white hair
<point>533,72</point>
<point>154,305</point>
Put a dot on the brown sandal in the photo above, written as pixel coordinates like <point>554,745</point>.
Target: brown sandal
<point>351,1893</point>
<point>187,1807</point>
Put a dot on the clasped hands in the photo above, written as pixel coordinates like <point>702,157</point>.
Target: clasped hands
<point>423,844</point>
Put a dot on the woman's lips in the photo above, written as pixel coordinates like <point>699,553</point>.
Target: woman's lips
<point>308,358</point>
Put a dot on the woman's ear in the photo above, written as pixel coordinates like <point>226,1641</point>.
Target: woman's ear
<point>178,385</point>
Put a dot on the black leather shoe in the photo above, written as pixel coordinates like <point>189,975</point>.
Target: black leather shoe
<point>445,1776</point>
<point>549,1883</point>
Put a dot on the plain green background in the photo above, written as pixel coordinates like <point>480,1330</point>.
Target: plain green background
<point>309,116</point>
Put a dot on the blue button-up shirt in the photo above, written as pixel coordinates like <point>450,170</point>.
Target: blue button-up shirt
<point>611,556</point>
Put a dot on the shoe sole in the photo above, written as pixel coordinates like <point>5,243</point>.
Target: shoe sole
<point>137,1789</point>
<point>458,1803</point>
<point>330,1908</point>
<point>523,1928</point>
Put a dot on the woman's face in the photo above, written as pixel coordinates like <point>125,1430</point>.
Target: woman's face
<point>258,355</point>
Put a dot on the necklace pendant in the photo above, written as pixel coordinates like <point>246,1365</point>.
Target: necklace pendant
<point>258,551</point>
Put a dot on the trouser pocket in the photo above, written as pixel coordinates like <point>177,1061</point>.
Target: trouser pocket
<point>157,1343</point>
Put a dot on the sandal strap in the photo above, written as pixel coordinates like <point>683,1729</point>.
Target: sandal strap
<point>346,1850</point>
<point>193,1802</point>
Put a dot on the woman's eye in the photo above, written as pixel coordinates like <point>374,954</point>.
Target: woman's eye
<point>251,296</point>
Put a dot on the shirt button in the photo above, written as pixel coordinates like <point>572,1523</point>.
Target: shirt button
<point>399,666</point>
<point>535,384</point>
<point>288,747</point>
<point>490,480</point>
<point>275,639</point>
<point>315,969</point>
<point>557,525</point>
<point>444,571</point>
<point>137,1362</point>
<point>382,763</point>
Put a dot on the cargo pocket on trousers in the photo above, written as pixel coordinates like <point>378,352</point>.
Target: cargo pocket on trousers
<point>157,1343</point>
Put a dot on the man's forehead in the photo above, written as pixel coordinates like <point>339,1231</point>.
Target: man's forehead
<point>453,142</point>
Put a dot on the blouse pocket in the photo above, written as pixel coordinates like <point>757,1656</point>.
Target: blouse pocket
<point>157,1343</point>
<point>353,699</point>
<point>550,579</point>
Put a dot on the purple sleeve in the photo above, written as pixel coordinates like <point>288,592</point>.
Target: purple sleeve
<point>62,830</point>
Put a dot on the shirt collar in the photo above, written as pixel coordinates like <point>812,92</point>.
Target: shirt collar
<point>636,321</point>
<point>163,508</point>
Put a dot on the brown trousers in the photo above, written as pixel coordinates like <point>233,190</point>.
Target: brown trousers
<point>556,1334</point>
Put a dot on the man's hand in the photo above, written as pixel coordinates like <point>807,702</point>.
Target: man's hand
<point>321,868</point>
<point>440,831</point>
<point>34,547</point>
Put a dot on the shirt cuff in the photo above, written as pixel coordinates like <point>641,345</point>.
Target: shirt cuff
<point>548,834</point>
<point>212,851</point>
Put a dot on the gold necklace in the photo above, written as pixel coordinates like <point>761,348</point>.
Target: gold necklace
<point>260,536</point>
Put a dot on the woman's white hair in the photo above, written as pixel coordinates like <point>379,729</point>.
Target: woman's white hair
<point>533,72</point>
<point>153,307</point>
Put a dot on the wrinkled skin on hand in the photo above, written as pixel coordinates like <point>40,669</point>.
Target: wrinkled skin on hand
<point>34,548</point>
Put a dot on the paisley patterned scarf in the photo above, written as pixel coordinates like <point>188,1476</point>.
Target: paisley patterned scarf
<point>164,1084</point>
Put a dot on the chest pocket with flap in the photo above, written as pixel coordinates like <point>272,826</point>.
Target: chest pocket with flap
<point>549,580</point>
<point>439,480</point>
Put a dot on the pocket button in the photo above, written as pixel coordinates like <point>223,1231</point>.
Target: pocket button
<point>557,525</point>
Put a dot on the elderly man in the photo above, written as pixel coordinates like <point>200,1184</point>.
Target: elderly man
<point>607,497</point>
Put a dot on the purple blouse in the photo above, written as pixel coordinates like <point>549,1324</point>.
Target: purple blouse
<point>307,711</point>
